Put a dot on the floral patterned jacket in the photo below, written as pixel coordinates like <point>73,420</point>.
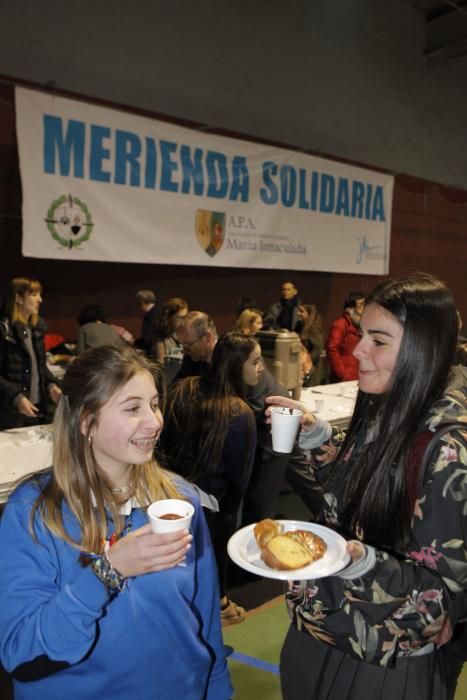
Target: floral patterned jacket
<point>406,603</point>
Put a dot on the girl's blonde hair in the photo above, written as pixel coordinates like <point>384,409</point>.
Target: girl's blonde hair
<point>89,383</point>
<point>20,286</point>
<point>244,322</point>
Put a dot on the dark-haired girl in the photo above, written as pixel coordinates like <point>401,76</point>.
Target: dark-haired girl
<point>382,627</point>
<point>309,328</point>
<point>210,438</point>
<point>168,321</point>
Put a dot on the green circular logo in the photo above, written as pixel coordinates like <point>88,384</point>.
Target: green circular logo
<point>69,221</point>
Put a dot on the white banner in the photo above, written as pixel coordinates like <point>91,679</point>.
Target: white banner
<point>100,184</point>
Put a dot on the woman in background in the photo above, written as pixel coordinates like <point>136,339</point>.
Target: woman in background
<point>249,322</point>
<point>170,317</point>
<point>92,602</point>
<point>210,439</point>
<point>28,389</point>
<point>381,628</point>
<point>309,328</point>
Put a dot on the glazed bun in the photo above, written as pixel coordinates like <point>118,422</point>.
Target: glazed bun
<point>312,542</point>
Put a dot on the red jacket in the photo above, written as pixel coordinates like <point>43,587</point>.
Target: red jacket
<point>342,339</point>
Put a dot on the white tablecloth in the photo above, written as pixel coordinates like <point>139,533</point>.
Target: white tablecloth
<point>338,401</point>
<point>23,451</point>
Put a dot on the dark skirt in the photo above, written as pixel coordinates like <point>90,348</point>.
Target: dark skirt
<point>313,670</point>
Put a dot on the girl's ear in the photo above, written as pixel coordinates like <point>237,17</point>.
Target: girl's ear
<point>84,426</point>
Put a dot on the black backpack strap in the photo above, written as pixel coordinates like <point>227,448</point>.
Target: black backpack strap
<point>432,446</point>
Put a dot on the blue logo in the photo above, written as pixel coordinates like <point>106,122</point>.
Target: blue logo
<point>366,251</point>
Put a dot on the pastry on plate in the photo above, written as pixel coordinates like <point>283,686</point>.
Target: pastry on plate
<point>289,550</point>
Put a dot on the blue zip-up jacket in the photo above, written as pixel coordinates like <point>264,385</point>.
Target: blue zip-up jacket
<point>63,636</point>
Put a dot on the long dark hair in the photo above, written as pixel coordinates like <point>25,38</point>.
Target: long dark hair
<point>376,452</point>
<point>200,409</point>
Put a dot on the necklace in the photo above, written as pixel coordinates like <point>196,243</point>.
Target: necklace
<point>122,489</point>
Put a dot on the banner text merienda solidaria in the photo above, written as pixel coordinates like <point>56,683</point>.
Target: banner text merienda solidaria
<point>102,154</point>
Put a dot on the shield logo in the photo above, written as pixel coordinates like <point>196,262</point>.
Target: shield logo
<point>210,230</point>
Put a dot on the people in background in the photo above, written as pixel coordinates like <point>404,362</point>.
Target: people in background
<point>385,626</point>
<point>169,320</point>
<point>92,602</point>
<point>284,314</point>
<point>95,331</point>
<point>210,438</point>
<point>147,302</point>
<point>343,337</point>
<point>309,328</point>
<point>198,335</point>
<point>28,390</point>
<point>249,322</point>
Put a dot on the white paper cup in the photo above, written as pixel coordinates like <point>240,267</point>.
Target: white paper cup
<point>284,428</point>
<point>319,405</point>
<point>170,506</point>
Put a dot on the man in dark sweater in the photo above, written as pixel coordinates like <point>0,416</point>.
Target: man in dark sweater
<point>284,314</point>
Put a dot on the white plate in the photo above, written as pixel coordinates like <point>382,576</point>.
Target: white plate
<point>244,551</point>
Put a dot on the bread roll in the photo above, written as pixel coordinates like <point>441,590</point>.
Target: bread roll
<point>284,553</point>
<point>287,551</point>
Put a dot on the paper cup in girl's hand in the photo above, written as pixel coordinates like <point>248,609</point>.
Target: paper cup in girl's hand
<point>170,515</point>
<point>285,423</point>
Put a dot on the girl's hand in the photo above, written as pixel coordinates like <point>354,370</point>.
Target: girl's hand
<point>26,408</point>
<point>307,421</point>
<point>143,551</point>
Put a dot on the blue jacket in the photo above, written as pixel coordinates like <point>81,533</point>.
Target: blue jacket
<point>62,636</point>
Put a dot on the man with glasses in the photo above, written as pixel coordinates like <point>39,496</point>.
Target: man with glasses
<point>198,336</point>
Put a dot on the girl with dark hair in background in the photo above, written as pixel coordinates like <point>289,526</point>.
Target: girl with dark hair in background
<point>27,387</point>
<point>92,602</point>
<point>210,438</point>
<point>309,329</point>
<point>381,628</point>
<point>166,325</point>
